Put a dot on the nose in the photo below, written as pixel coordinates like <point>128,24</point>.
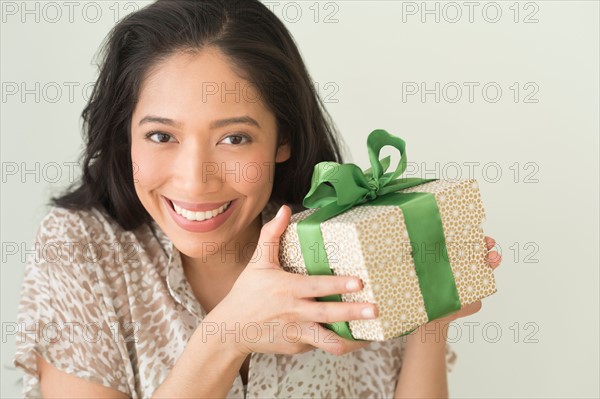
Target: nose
<point>196,172</point>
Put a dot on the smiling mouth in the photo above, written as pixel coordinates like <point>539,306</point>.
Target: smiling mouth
<point>199,215</point>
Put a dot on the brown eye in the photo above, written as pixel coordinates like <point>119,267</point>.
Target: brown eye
<point>237,139</point>
<point>159,137</point>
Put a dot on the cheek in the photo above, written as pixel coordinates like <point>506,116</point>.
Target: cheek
<point>255,174</point>
<point>146,167</point>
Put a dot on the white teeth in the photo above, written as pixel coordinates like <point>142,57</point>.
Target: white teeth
<point>200,216</point>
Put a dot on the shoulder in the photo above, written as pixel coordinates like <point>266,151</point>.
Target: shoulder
<point>77,223</point>
<point>68,245</point>
<point>78,251</point>
<point>80,236</point>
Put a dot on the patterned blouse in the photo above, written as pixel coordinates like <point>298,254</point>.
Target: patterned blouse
<point>114,307</point>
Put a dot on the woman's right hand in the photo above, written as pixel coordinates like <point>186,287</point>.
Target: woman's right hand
<point>269,310</point>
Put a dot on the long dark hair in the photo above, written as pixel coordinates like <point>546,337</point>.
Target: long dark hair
<point>258,45</point>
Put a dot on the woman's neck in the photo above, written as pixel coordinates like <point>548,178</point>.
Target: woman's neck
<point>212,276</point>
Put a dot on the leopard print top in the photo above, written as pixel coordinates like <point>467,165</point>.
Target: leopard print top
<point>114,307</point>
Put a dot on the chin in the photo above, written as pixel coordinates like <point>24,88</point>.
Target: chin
<point>212,251</point>
<point>207,249</point>
<point>195,249</point>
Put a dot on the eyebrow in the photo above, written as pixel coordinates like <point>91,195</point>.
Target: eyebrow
<point>213,125</point>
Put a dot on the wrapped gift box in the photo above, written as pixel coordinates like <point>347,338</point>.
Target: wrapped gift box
<point>372,242</point>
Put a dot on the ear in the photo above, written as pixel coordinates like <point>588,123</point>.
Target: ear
<point>283,153</point>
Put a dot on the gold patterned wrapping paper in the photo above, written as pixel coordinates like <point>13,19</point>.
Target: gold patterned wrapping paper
<point>372,243</point>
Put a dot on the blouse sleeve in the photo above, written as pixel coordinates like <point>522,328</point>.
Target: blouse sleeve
<point>62,314</point>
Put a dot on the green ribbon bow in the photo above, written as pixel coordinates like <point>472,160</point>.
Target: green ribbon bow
<point>335,188</point>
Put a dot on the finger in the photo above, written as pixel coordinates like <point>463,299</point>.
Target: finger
<point>268,242</point>
<point>330,312</point>
<point>327,340</point>
<point>465,311</point>
<point>489,242</point>
<point>318,286</point>
<point>359,344</point>
<point>494,258</point>
<point>470,309</point>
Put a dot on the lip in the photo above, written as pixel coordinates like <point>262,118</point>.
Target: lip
<point>204,225</point>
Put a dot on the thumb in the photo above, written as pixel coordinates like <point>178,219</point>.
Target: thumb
<point>267,249</point>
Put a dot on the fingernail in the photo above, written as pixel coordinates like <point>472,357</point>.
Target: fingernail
<point>352,285</point>
<point>368,313</point>
<point>279,212</point>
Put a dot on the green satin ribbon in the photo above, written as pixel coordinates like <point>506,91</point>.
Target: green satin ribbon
<point>335,188</point>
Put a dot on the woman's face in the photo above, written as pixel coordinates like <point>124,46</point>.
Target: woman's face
<point>200,138</point>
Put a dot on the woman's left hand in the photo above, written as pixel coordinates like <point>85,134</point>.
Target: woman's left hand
<point>493,259</point>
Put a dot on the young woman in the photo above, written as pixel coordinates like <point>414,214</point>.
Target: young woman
<point>158,275</point>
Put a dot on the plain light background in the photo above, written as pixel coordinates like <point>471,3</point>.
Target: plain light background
<point>535,155</point>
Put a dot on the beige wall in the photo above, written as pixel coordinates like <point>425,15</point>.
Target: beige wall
<point>535,154</point>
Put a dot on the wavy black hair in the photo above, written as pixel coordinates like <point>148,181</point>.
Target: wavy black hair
<point>257,44</point>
